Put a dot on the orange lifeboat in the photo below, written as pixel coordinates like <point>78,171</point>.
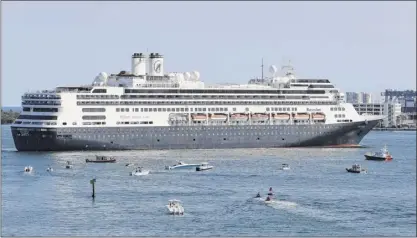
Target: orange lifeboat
<point>218,116</point>
<point>282,116</point>
<point>199,117</point>
<point>319,116</point>
<point>302,116</point>
<point>239,117</point>
<point>259,116</point>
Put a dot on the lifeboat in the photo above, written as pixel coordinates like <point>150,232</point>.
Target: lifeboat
<point>239,117</point>
<point>318,116</point>
<point>199,117</point>
<point>259,116</point>
<point>302,116</point>
<point>282,116</point>
<point>216,116</point>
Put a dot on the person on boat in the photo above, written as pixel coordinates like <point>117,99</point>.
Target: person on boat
<point>258,195</point>
<point>270,193</point>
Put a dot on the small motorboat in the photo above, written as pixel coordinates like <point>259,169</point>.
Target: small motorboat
<point>139,171</point>
<point>49,169</point>
<point>285,167</point>
<point>383,155</point>
<point>28,169</point>
<point>129,164</point>
<point>356,168</point>
<point>68,165</point>
<point>101,159</point>
<point>175,208</point>
<point>204,166</point>
<point>181,165</point>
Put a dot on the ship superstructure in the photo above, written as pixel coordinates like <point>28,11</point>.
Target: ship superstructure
<point>149,109</point>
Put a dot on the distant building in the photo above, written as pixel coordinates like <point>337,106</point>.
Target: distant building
<point>351,97</point>
<point>392,111</point>
<point>354,97</point>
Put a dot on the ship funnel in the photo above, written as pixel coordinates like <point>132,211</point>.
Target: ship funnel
<point>138,64</point>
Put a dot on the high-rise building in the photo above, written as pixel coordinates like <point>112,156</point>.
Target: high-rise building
<point>352,97</point>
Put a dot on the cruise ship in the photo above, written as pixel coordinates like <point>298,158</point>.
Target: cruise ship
<point>147,109</point>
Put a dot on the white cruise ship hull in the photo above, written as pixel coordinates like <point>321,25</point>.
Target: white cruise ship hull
<point>191,137</point>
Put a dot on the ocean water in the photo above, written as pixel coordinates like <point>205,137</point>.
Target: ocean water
<point>317,197</point>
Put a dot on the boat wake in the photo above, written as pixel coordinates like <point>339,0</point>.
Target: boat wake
<point>298,209</point>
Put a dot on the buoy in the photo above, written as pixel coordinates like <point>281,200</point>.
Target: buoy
<point>93,181</point>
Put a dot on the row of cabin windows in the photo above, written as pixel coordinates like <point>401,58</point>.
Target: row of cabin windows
<point>198,109</point>
<point>346,120</point>
<point>221,91</point>
<point>337,109</point>
<point>41,103</point>
<point>36,123</point>
<point>279,109</point>
<point>94,109</point>
<point>88,96</point>
<point>188,128</point>
<point>224,102</point>
<point>93,123</point>
<point>339,115</point>
<point>173,109</point>
<point>40,96</point>
<point>212,97</point>
<point>101,117</point>
<point>134,122</point>
<point>36,109</point>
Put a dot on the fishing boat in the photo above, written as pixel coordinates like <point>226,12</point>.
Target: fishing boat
<point>285,167</point>
<point>175,208</point>
<point>356,168</point>
<point>101,159</point>
<point>181,165</point>
<point>204,166</point>
<point>28,169</point>
<point>383,155</point>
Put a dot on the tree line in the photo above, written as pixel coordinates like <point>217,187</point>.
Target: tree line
<point>8,117</point>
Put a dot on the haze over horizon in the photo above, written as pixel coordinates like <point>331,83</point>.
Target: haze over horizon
<point>359,46</point>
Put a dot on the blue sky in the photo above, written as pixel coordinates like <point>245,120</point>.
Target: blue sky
<point>359,46</point>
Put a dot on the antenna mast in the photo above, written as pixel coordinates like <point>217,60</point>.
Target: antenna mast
<point>262,67</point>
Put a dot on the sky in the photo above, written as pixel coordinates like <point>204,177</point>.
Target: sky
<point>359,46</point>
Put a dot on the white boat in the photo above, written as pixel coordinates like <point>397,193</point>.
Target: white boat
<point>28,169</point>
<point>69,165</point>
<point>49,169</point>
<point>139,171</point>
<point>181,165</point>
<point>285,167</point>
<point>175,208</point>
<point>129,164</point>
<point>204,166</point>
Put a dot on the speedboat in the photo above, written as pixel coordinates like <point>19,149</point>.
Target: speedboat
<point>101,159</point>
<point>382,155</point>
<point>204,166</point>
<point>129,164</point>
<point>181,165</point>
<point>49,169</point>
<point>356,168</point>
<point>175,208</point>
<point>139,171</point>
<point>69,165</point>
<point>28,169</point>
<point>285,167</point>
